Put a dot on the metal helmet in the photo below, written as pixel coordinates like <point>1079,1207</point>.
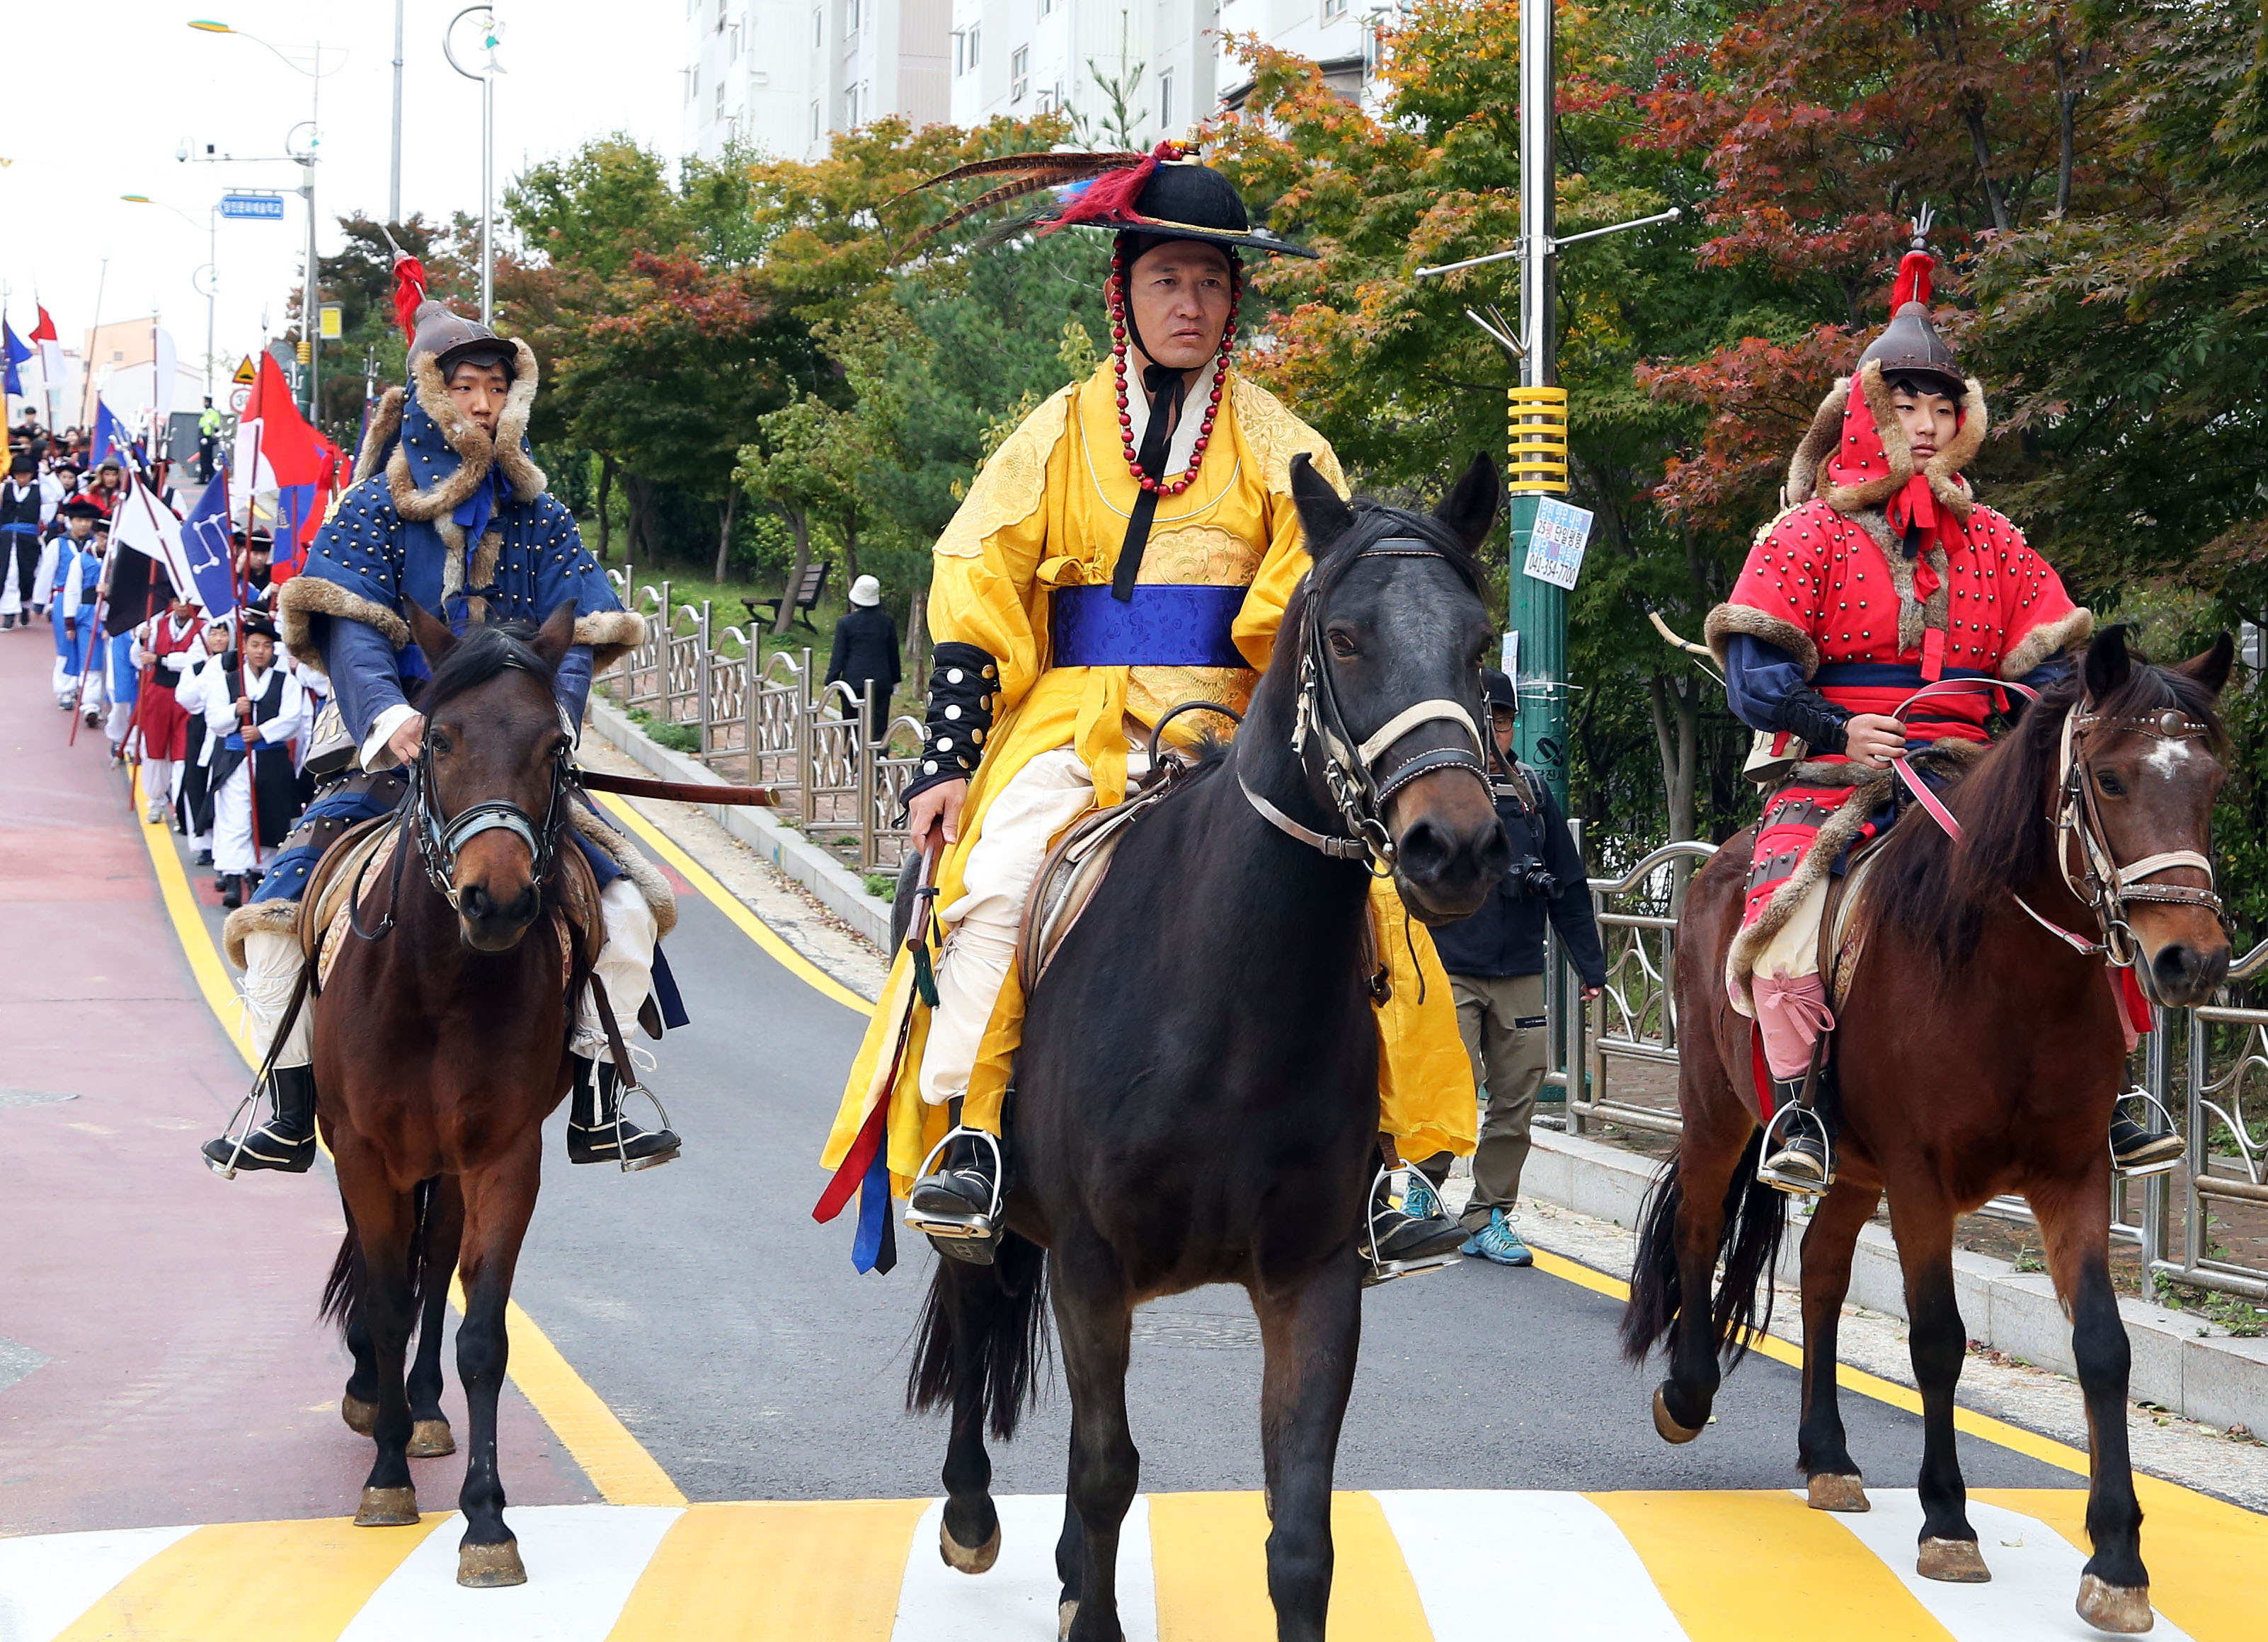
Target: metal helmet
<point>1910,344</point>
<point>448,339</point>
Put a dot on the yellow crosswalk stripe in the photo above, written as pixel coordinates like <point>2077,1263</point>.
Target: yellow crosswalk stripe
<point>2208,1560</point>
<point>1211,1562</point>
<point>276,1581</point>
<point>759,1572</point>
<point>1728,1563</point>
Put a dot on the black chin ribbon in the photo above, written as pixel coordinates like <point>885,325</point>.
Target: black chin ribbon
<point>1164,387</point>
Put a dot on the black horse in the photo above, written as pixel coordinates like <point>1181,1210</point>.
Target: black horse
<point>1196,1096</point>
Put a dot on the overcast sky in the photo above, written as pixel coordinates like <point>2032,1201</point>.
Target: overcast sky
<point>101,93</point>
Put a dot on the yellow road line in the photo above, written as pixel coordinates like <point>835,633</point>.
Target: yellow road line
<point>1717,1557</point>
<point>188,923</point>
<point>1209,1553</point>
<point>619,1467</point>
<point>732,906</point>
<point>826,1569</point>
<point>278,1581</point>
<point>617,1464</point>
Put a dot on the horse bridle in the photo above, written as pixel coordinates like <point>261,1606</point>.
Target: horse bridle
<point>2107,886</point>
<point>2104,885</point>
<point>1351,770</point>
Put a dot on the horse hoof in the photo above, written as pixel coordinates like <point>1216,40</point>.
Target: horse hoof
<point>1066,1612</point>
<point>963,1559</point>
<point>361,1416</point>
<point>1955,1561</point>
<point>1665,1425</point>
<point>2121,1610</point>
<point>430,1440</point>
<point>488,1567</point>
<point>387,1507</point>
<point>1839,1493</point>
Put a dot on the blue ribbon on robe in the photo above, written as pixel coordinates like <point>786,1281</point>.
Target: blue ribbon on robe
<point>1165,625</point>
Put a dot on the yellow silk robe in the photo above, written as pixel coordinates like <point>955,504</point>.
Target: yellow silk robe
<point>1050,510</point>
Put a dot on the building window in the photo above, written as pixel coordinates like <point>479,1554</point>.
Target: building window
<point>1166,99</point>
<point>721,5</point>
<point>1019,73</point>
<point>850,106</point>
<point>976,43</point>
<point>815,122</point>
<point>818,33</point>
<point>1334,8</point>
<point>1045,101</point>
<point>1047,8</point>
<point>851,18</point>
<point>733,51</point>
<point>693,85</point>
<point>720,102</point>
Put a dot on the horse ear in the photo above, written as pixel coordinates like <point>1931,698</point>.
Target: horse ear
<point>556,634</point>
<point>2211,669</point>
<point>1470,509</point>
<point>1324,517</point>
<point>433,635</point>
<point>2107,663</point>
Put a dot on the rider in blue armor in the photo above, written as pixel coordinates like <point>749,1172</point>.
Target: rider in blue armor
<point>448,508</point>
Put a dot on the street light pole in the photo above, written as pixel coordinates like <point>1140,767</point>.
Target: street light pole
<point>210,270</point>
<point>487,78</point>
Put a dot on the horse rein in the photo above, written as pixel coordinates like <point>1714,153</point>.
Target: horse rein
<point>2103,883</point>
<point>1351,770</point>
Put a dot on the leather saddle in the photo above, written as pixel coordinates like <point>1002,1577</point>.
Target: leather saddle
<point>1074,869</point>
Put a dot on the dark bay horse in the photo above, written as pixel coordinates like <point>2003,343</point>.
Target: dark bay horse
<point>441,1046</point>
<point>1978,1053</point>
<point>1196,1094</point>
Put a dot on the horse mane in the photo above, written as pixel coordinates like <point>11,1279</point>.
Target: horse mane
<point>1939,895</point>
<point>483,652</point>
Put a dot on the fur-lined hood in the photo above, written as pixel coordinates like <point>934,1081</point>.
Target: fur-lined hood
<point>435,456</point>
<point>1855,456</point>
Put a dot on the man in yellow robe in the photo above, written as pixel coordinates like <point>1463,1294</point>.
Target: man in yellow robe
<point>1132,546</point>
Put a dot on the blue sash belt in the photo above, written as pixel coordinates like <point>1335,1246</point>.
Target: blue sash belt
<point>1166,624</point>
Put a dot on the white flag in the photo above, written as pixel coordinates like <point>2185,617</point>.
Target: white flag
<point>147,526</point>
<point>165,370</point>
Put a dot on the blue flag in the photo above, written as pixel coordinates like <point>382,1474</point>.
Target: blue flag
<point>112,442</point>
<point>205,539</point>
<point>17,352</point>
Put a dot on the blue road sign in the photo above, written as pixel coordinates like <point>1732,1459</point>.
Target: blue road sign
<point>267,208</point>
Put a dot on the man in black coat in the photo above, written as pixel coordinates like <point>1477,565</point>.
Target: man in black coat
<point>1495,960</point>
<point>866,651</point>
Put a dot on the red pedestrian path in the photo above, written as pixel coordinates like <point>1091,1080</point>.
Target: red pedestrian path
<point>160,1360</point>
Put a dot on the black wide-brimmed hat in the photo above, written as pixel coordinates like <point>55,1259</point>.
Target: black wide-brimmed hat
<point>1162,194</point>
<point>80,507</point>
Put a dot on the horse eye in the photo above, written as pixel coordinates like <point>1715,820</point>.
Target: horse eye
<point>2110,784</point>
<point>440,742</point>
<point>1343,644</point>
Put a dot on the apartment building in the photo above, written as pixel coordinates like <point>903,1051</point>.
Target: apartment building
<point>782,75</point>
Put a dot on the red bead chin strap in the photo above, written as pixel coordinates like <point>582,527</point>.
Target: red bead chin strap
<point>1115,292</point>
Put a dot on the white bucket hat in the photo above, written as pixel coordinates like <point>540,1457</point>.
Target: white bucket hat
<point>866,590</point>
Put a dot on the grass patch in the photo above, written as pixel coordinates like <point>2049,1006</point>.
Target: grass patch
<point>2232,1312</point>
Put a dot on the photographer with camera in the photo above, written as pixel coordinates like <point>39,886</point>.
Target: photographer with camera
<point>1495,960</point>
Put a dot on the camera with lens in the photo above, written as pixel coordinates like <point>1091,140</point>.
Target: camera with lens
<point>1531,880</point>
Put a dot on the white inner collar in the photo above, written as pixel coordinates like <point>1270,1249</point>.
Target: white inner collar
<point>1194,404</point>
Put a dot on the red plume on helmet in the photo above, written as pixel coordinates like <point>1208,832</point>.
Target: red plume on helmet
<point>409,286</point>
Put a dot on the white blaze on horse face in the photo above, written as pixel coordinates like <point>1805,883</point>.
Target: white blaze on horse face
<point>2168,756</point>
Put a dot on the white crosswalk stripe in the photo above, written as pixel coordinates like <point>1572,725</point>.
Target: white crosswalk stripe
<point>49,1579</point>
<point>1017,1598</point>
<point>1579,1580</point>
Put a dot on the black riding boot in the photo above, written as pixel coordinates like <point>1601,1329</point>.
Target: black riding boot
<point>231,891</point>
<point>286,1142</point>
<point>2137,1150</point>
<point>597,1132</point>
<point>956,1201</point>
<point>1802,1161</point>
<point>1395,1234</point>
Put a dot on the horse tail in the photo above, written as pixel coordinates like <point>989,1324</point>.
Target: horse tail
<point>1754,1219</point>
<point>343,1290</point>
<point>983,1335</point>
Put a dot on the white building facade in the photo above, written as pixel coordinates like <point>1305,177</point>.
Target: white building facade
<point>783,76</point>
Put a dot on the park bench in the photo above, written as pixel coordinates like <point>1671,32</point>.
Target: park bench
<point>806,598</point>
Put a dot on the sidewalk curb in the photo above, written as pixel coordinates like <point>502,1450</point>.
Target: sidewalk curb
<point>839,889</point>
<point>2221,1381</point>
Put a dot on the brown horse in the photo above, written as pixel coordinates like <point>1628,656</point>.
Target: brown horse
<point>441,1046</point>
<point>1979,1053</point>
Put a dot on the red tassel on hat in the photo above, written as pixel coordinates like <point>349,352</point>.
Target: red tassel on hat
<point>1110,197</point>
<point>409,290</point>
<point>1912,283</point>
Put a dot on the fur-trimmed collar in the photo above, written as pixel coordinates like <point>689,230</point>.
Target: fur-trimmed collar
<point>1856,456</point>
<point>432,415</point>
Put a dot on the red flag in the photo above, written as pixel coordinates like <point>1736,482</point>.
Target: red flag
<point>45,330</point>
<point>277,449</point>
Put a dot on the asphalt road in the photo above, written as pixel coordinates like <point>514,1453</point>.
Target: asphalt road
<point>728,1330</point>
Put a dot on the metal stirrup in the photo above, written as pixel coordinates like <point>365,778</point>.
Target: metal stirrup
<point>1383,1271</point>
<point>973,1224</point>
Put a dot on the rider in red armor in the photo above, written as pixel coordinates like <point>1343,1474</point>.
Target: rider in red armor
<point>1882,575</point>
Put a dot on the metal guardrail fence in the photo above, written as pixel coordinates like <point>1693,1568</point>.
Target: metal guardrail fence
<point>772,724</point>
<point>1617,1063</point>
